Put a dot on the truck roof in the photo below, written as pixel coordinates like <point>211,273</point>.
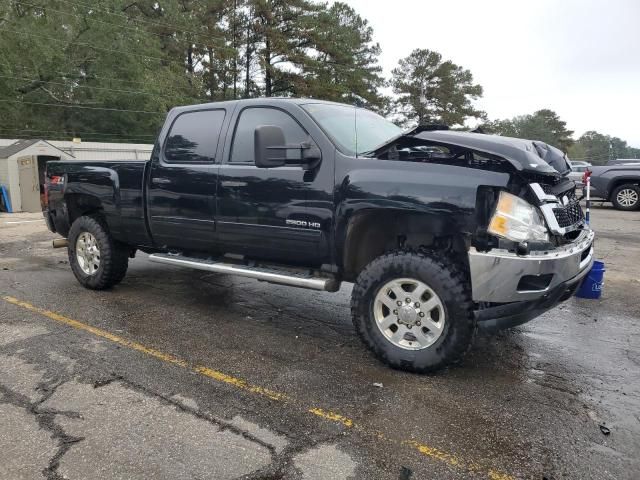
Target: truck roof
<point>254,101</point>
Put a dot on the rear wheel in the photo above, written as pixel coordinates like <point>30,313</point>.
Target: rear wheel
<point>97,260</point>
<point>626,197</point>
<point>414,311</point>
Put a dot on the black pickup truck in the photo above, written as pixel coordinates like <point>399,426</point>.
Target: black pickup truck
<point>440,231</point>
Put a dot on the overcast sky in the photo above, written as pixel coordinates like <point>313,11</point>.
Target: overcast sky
<point>580,58</point>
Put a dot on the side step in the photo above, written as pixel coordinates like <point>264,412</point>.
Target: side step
<point>283,277</point>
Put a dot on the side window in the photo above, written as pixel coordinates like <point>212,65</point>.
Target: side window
<point>193,137</point>
<point>250,118</point>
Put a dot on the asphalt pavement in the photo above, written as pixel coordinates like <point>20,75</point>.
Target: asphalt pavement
<point>184,374</point>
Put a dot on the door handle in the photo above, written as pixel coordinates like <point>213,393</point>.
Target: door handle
<point>231,184</point>
<point>160,181</point>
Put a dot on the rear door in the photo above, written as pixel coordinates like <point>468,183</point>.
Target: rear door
<point>182,181</point>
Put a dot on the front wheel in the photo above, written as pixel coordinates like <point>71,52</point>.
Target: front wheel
<point>414,311</point>
<point>97,260</point>
<point>626,197</point>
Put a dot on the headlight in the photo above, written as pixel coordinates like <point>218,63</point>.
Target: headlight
<point>517,220</point>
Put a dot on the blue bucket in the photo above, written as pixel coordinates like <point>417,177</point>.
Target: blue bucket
<point>592,284</point>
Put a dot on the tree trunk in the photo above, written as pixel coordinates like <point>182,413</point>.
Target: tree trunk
<point>190,56</point>
<point>268,80</point>
<point>212,75</point>
<point>235,53</point>
<point>247,78</point>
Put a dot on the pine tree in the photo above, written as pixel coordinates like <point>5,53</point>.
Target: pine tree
<point>431,90</point>
<point>345,68</point>
<point>127,63</point>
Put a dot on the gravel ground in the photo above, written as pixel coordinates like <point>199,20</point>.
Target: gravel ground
<point>183,374</point>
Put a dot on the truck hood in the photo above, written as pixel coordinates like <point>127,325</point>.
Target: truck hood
<point>524,155</point>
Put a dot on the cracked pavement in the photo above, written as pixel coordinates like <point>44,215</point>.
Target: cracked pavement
<point>59,424</point>
<point>527,403</point>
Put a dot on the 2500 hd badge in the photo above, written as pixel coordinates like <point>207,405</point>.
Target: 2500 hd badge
<point>303,223</point>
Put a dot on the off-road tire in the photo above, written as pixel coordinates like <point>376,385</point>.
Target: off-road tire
<point>114,256</point>
<point>617,190</point>
<point>446,279</point>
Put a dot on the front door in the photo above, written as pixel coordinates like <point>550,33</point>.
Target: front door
<point>29,187</point>
<point>182,182</point>
<point>262,212</point>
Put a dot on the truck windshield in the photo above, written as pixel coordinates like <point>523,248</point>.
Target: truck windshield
<point>354,130</point>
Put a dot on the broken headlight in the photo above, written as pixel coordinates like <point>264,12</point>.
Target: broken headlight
<point>517,220</point>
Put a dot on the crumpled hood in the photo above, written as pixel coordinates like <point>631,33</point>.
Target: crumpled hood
<point>524,155</point>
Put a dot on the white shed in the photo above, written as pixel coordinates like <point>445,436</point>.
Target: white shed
<point>97,151</point>
<point>22,167</point>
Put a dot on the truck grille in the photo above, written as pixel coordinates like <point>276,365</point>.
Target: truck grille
<point>571,213</point>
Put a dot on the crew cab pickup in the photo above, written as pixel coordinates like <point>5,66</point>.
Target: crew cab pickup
<point>441,232</point>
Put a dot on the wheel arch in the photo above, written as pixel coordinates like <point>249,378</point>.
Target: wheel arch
<point>72,207</point>
<point>372,232</point>
<point>79,204</point>
<point>94,191</point>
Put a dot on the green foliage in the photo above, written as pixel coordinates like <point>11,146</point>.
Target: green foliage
<point>109,70</point>
<point>283,34</point>
<point>544,125</point>
<point>60,56</point>
<point>112,67</point>
<point>431,90</point>
<point>598,148</point>
<point>345,67</point>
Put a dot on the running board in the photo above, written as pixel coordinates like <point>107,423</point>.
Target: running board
<point>263,274</point>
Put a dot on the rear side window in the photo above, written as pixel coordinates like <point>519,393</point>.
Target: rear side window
<point>193,137</point>
<point>242,150</point>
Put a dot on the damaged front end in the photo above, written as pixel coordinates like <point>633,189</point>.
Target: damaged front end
<point>532,246</point>
<point>515,283</point>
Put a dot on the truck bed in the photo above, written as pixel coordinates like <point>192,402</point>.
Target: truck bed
<point>115,186</point>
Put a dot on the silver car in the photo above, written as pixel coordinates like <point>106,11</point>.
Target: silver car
<point>577,171</point>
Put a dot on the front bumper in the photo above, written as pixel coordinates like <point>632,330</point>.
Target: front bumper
<point>503,280</point>
<point>500,276</point>
<point>509,315</point>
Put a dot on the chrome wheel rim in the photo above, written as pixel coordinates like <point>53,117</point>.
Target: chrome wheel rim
<point>88,253</point>
<point>409,314</point>
<point>627,197</point>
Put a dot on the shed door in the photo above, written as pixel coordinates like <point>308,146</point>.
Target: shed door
<point>28,179</point>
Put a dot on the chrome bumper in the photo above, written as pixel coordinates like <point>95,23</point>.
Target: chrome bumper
<point>497,276</point>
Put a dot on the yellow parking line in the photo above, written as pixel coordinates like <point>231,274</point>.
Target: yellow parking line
<point>239,383</point>
<point>334,417</point>
<point>426,450</point>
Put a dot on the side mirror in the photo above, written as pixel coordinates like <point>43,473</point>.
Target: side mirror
<point>269,146</point>
<point>270,149</point>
